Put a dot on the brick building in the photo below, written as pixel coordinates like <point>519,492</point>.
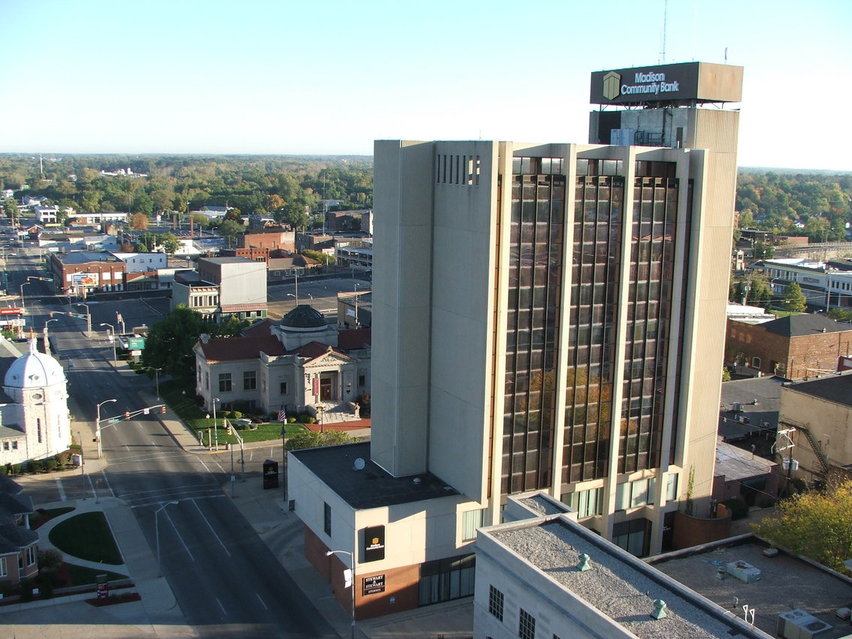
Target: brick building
<point>794,347</point>
<point>84,272</point>
<point>271,239</point>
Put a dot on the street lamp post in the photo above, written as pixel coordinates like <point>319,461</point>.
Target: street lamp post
<point>215,427</point>
<point>157,527</point>
<point>98,424</point>
<point>157,381</point>
<point>351,581</point>
<point>111,338</point>
<point>46,342</point>
<point>88,317</point>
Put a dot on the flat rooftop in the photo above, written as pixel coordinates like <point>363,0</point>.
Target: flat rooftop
<point>617,585</point>
<point>786,583</point>
<point>370,487</point>
<point>759,400</point>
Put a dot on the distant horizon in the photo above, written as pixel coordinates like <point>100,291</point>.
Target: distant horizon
<point>48,155</point>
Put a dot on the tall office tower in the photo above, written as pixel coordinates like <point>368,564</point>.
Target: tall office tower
<point>551,316</point>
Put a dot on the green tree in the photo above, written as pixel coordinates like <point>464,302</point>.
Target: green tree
<point>319,256</point>
<point>169,242</point>
<point>794,300</point>
<point>170,341</point>
<point>12,212</point>
<point>763,251</point>
<point>229,230</point>
<point>840,314</point>
<point>816,525</point>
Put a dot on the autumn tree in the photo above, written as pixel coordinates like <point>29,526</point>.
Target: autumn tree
<point>139,221</point>
<point>816,525</point>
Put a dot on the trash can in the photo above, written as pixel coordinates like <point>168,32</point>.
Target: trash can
<point>270,474</point>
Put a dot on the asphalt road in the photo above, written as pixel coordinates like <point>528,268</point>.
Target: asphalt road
<point>223,575</point>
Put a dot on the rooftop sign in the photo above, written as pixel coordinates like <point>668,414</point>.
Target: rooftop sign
<point>685,83</point>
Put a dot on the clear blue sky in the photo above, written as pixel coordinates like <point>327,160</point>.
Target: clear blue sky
<point>330,76</point>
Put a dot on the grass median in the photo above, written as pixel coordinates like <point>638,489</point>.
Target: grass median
<point>87,536</point>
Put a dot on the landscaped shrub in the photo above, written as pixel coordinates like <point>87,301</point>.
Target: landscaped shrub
<point>237,414</point>
<point>49,465</point>
<point>35,466</point>
<point>64,458</point>
<point>226,413</point>
<point>291,420</point>
<point>26,590</point>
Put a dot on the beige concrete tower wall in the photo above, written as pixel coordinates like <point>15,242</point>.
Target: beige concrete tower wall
<point>401,301</point>
<point>463,262</point>
<point>714,173</point>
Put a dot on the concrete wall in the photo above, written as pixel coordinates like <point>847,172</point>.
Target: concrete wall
<point>402,290</point>
<point>830,423</point>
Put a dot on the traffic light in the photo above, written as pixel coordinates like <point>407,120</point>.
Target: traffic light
<point>228,427</point>
<point>127,415</point>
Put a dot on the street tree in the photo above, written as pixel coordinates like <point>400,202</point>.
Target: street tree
<point>816,525</point>
<point>794,300</point>
<point>170,341</point>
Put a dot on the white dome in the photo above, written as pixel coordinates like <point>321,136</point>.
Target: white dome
<point>34,370</point>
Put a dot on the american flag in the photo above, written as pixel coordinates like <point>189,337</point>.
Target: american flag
<point>282,415</point>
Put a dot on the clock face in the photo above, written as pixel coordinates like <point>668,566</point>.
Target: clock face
<point>37,396</point>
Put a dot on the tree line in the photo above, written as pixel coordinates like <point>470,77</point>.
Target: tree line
<point>816,205</point>
<point>289,188</point>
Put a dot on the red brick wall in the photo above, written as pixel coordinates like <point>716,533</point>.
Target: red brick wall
<point>796,354</point>
<point>692,531</point>
<point>401,583</point>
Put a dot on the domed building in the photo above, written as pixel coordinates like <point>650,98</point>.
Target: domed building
<point>34,418</point>
<point>299,363</point>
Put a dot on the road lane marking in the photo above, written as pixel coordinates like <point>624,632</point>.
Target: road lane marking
<point>92,486</point>
<point>212,530</point>
<point>224,612</point>
<point>185,547</point>
<point>262,602</point>
<point>111,491</point>
<point>61,489</point>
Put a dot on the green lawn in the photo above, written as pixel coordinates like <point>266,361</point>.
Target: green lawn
<point>87,536</point>
<point>196,419</point>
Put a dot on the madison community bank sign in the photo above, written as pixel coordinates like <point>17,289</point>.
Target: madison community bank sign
<point>687,82</point>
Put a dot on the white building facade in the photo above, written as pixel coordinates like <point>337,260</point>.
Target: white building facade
<point>35,419</point>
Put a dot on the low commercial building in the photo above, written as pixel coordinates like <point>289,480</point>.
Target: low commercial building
<point>794,347</point>
<point>84,272</point>
<point>223,287</point>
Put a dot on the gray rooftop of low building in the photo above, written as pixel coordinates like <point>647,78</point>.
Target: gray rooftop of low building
<point>737,464</point>
<point>749,406</point>
<point>618,585</point>
<point>806,324</point>
<point>786,583</point>
<point>85,257</point>
<point>835,388</point>
<point>372,486</point>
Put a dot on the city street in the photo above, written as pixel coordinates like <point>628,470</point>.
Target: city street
<point>221,572</point>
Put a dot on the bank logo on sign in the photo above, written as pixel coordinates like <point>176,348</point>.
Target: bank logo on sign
<point>611,84</point>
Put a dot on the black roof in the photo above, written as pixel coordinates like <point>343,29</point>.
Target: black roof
<point>807,324</point>
<point>304,316</point>
<point>371,487</point>
<point>837,388</point>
